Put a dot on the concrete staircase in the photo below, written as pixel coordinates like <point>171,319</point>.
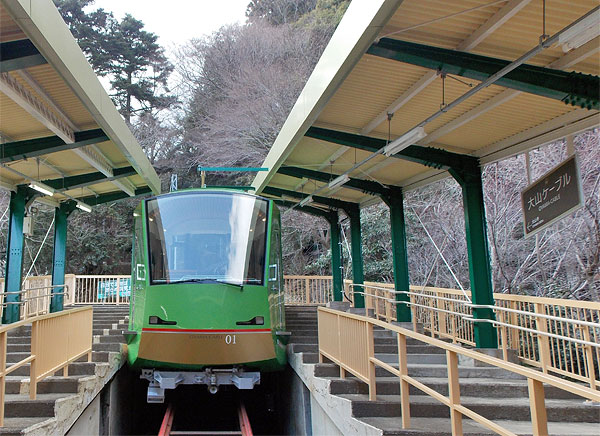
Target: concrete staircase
<point>61,400</point>
<point>494,393</point>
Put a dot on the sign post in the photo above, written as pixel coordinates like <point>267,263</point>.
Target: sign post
<point>553,196</point>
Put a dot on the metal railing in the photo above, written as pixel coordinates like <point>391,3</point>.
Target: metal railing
<point>99,289</point>
<point>555,335</point>
<point>34,297</point>
<point>347,340</point>
<point>57,339</point>
<point>308,290</point>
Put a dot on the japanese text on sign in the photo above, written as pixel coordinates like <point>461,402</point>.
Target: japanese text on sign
<point>556,194</point>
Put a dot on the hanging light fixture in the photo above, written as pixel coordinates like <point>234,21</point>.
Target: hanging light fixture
<point>40,187</point>
<point>404,141</point>
<point>582,32</point>
<point>305,201</point>
<point>338,181</point>
<point>83,206</point>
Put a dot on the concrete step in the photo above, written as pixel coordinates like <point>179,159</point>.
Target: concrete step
<point>517,409</point>
<point>97,332</point>
<point>77,368</point>
<point>120,339</point>
<point>418,370</point>
<point>20,406</point>
<point>15,348</point>
<point>50,385</point>
<point>470,387</point>
<point>14,426</point>
<point>392,359</point>
<point>116,347</point>
<point>441,427</point>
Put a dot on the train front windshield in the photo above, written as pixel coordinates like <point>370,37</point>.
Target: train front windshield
<point>207,238</point>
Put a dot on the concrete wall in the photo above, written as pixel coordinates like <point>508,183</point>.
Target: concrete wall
<point>109,414</point>
<point>297,406</point>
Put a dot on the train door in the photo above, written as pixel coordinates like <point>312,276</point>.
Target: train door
<point>276,274</point>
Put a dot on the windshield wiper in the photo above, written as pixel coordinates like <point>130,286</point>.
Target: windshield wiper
<point>206,280</point>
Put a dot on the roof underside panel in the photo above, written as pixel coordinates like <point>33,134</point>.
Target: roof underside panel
<point>55,101</point>
<point>494,123</point>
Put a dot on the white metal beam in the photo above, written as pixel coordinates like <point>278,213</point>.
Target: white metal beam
<point>92,155</point>
<point>486,29</point>
<point>332,158</point>
<point>571,58</point>
<point>41,92</point>
<point>36,108</point>
<point>568,124</point>
<point>7,186</point>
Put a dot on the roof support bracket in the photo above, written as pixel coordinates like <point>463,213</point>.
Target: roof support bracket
<point>573,88</point>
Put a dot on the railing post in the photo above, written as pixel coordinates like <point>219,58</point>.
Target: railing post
<point>371,355</point>
<point>404,386</point>
<point>539,420</point>
<point>542,340</point>
<point>33,366</point>
<point>441,318</point>
<point>589,356</point>
<point>3,337</point>
<point>454,392</point>
<point>307,290</point>
<point>118,298</point>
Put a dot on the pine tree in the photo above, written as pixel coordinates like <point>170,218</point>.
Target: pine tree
<point>128,55</point>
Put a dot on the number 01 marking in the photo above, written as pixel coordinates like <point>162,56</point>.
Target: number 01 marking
<point>230,339</point>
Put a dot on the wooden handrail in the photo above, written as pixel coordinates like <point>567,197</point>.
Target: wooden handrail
<point>365,352</point>
<point>57,339</point>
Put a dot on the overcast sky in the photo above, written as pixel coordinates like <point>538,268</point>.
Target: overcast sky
<point>176,21</point>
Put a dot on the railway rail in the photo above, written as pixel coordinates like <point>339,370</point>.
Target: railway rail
<point>166,428</point>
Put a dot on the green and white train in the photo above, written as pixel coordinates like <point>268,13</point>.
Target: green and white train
<point>207,290</point>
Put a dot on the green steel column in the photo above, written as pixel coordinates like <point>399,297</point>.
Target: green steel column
<point>480,272</point>
<point>395,201</point>
<point>357,257</point>
<point>14,254</point>
<point>61,214</point>
<point>336,257</point>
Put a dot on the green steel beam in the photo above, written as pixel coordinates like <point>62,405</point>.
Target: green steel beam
<point>480,272</point>
<point>306,209</point>
<point>353,212</point>
<point>573,88</point>
<point>14,253</point>
<point>467,172</point>
<point>239,188</point>
<point>59,256</point>
<point>88,179</point>
<point>225,169</point>
<point>18,150</point>
<point>365,186</point>
<point>428,156</point>
<point>336,255</point>
<point>330,202</point>
<point>94,200</point>
<point>20,54</point>
<point>358,277</point>
<point>395,201</point>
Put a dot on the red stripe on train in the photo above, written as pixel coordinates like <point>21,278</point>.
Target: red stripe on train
<point>205,331</point>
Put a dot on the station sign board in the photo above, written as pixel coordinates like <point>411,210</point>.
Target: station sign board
<point>553,196</point>
<point>107,289</point>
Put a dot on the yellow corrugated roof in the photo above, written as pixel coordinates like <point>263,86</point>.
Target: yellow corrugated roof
<point>66,89</point>
<point>366,86</point>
